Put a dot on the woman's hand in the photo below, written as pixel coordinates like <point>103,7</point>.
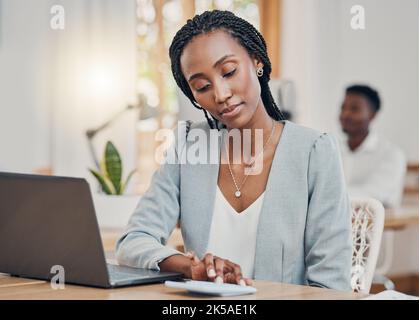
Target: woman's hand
<point>216,269</point>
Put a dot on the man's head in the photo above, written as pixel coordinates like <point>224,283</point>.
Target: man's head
<point>359,108</point>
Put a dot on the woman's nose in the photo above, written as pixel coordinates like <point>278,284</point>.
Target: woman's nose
<point>222,92</point>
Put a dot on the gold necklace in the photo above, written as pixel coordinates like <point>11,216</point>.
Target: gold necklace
<point>238,193</point>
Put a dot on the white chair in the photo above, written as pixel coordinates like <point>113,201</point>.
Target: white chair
<point>385,260</point>
<point>367,229</point>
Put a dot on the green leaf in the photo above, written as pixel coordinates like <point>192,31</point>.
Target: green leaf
<point>127,181</point>
<point>113,165</point>
<point>102,166</point>
<point>102,181</point>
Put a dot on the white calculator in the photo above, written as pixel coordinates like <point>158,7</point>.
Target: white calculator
<point>211,288</point>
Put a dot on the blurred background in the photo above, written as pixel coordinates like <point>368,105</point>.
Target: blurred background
<point>104,69</point>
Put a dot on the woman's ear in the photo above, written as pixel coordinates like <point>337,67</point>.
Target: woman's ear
<point>257,63</point>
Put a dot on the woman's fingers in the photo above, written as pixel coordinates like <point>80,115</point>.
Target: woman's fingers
<point>219,269</point>
<point>249,282</point>
<point>198,270</point>
<point>194,259</point>
<point>209,266</point>
<point>236,270</point>
<point>229,277</point>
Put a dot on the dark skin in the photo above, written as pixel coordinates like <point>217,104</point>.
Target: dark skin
<point>221,74</point>
<point>355,118</point>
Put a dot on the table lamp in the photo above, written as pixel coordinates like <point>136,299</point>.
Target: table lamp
<point>145,113</point>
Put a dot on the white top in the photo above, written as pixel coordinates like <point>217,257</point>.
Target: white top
<point>375,169</point>
<point>233,234</point>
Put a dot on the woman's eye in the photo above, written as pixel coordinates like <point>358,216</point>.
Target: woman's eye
<point>230,73</point>
<point>203,88</point>
<point>227,75</point>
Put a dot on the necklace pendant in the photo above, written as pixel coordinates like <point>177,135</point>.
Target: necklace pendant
<point>237,194</point>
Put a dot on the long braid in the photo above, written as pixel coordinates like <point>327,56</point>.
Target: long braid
<point>247,35</point>
<point>210,122</point>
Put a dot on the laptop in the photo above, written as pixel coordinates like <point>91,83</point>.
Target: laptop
<point>48,221</point>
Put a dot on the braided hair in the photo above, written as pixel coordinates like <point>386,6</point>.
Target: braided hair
<point>247,35</point>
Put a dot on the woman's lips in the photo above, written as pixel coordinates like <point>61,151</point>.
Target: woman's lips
<point>235,111</point>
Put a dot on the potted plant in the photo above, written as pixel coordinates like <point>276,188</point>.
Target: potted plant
<point>113,206</point>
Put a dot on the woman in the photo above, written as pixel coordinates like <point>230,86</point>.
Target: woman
<point>290,222</point>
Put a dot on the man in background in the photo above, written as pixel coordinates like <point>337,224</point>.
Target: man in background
<point>373,166</point>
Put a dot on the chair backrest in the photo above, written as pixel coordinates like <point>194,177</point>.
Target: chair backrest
<point>367,229</point>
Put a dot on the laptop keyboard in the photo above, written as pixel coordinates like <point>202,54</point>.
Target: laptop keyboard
<point>117,273</point>
<point>126,273</point>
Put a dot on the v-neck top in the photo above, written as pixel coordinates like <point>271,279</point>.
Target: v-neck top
<point>232,231</point>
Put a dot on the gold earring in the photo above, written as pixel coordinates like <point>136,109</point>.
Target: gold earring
<point>259,72</point>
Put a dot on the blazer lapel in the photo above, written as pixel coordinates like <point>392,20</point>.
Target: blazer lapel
<point>200,182</point>
<point>269,246</point>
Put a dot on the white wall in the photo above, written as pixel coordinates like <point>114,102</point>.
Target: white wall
<point>386,55</point>
<point>48,94</point>
<point>93,78</point>
<point>24,105</point>
<point>323,55</point>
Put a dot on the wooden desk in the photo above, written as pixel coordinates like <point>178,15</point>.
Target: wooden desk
<point>402,218</point>
<point>406,216</point>
<point>18,289</point>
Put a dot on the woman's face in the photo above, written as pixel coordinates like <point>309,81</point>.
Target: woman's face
<point>222,77</point>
